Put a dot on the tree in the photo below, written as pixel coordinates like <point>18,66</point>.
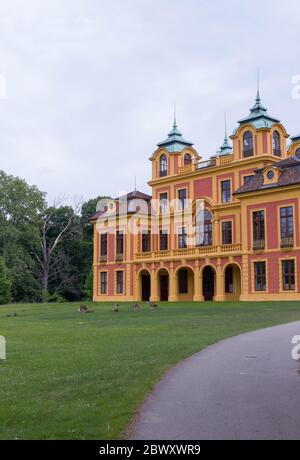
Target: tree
<point>5,284</point>
<point>58,227</point>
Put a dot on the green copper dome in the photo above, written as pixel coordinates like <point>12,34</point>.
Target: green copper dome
<point>174,141</point>
<point>259,117</point>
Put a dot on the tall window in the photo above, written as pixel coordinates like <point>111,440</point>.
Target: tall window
<point>207,236</point>
<point>260,276</point>
<point>120,243</point>
<point>163,166</point>
<point>103,279</point>
<point>187,159</point>
<point>276,144</point>
<point>248,150</point>
<point>163,203</point>
<point>286,222</point>
<point>103,246</point>
<point>227,232</point>
<point>258,226</point>
<point>120,283</point>
<point>225,191</point>
<point>182,237</point>
<point>229,280</point>
<point>298,153</point>
<point>163,240</point>
<point>146,241</point>
<point>288,275</point>
<point>182,198</point>
<point>183,281</point>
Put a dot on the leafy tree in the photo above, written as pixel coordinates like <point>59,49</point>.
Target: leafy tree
<point>5,284</point>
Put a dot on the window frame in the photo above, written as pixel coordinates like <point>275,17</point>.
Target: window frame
<point>163,165</point>
<point>119,283</point>
<point>262,230</point>
<point>182,199</point>
<point>163,208</point>
<point>103,283</point>
<point>228,196</point>
<point>146,241</point>
<point>182,237</point>
<point>287,222</point>
<point>226,232</point>
<point>289,274</point>
<point>262,276</point>
<point>248,152</point>
<point>163,240</point>
<point>276,144</point>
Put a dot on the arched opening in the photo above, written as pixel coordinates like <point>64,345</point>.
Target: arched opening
<point>232,282</point>
<point>208,283</point>
<point>145,285</point>
<point>276,144</point>
<point>185,283</point>
<point>163,285</point>
<point>187,160</point>
<point>298,153</point>
<point>248,149</point>
<point>163,165</point>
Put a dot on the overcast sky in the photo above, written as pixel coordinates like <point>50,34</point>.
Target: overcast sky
<point>91,84</point>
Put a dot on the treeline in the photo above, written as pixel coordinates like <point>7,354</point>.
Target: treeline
<point>45,251</point>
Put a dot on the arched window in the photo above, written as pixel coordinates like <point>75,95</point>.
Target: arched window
<point>204,228</point>
<point>187,159</point>
<point>298,153</point>
<point>163,165</point>
<point>248,144</point>
<point>276,144</point>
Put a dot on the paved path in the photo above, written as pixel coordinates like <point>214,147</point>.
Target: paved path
<point>245,387</point>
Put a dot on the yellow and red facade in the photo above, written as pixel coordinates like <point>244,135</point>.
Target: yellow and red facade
<point>251,198</point>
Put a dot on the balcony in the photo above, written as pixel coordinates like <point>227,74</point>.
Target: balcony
<point>258,245</point>
<point>287,242</point>
<point>191,252</point>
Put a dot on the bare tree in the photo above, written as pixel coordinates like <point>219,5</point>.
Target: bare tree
<point>58,224</point>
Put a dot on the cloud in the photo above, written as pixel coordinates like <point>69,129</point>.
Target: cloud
<point>90,86</point>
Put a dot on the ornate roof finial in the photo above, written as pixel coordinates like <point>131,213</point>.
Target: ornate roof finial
<point>226,135</point>
<point>175,121</point>
<point>258,99</point>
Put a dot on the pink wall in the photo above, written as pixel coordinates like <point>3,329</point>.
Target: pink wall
<point>203,188</point>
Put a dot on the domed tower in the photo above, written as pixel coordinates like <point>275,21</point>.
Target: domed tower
<point>259,134</point>
<point>172,153</point>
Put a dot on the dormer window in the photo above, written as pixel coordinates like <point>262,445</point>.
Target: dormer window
<point>163,166</point>
<point>248,150</point>
<point>298,153</point>
<point>187,159</point>
<point>276,144</point>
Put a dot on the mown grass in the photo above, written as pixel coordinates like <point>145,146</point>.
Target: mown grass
<point>82,376</point>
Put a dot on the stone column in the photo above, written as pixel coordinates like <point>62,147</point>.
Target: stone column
<point>173,297</point>
<point>219,288</point>
<point>154,297</point>
<point>198,296</point>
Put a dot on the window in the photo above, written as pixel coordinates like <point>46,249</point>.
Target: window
<point>103,287</point>
<point>120,243</point>
<point>298,153</point>
<point>163,166</point>
<point>163,240</point>
<point>103,246</point>
<point>207,237</point>
<point>288,275</point>
<point>229,280</point>
<point>146,241</point>
<point>183,281</point>
<point>248,150</point>
<point>276,144</point>
<point>225,191</point>
<point>187,159</point>
<point>120,282</point>
<point>163,203</point>
<point>270,175</point>
<point>286,222</point>
<point>247,179</point>
<point>227,232</point>
<point>258,226</point>
<point>182,198</point>
<point>182,237</point>
<point>260,276</point>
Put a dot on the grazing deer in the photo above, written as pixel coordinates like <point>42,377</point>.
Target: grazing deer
<point>115,308</point>
<point>84,309</point>
<point>136,307</point>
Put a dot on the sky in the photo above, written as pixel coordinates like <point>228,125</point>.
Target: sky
<point>87,87</point>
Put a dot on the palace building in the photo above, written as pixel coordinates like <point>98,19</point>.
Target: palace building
<point>250,244</point>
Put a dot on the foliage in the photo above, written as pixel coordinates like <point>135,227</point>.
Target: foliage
<point>5,284</point>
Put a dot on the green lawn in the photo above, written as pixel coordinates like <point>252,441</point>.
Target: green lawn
<point>82,376</point>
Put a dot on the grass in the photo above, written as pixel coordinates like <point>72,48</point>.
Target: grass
<point>82,376</point>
